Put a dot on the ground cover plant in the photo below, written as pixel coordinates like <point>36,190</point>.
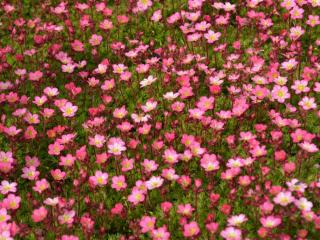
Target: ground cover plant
<point>157,119</point>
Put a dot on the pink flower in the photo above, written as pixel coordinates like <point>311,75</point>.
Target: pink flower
<point>106,24</point>
<point>296,32</point>
<point>11,202</point>
<point>39,214</point>
<point>307,103</point>
<point>231,233</point>
<point>4,217</point>
<point>309,147</point>
<point>30,173</point>
<point>95,40</point>
<point>143,5</point>
<point>156,16</point>
<point>284,198</point>
<point>97,141</point>
<point>313,20</point>
<point>99,179</point>
<point>57,174</point>
<point>116,146</point>
<point>67,160</point>
<point>69,237</point>
<point>303,204</point>
<point>67,217</point>
<point>237,220</point>
<point>280,93</point>
<point>77,46</point>
<point>7,187</point>
<point>160,233</point>
<point>289,65</point>
<point>119,183</point>
<point>68,109</point>
<point>120,112</point>
<point>209,162</point>
<point>147,224</point>
<point>55,149</point>
<point>35,76</point>
<point>185,209</point>
<point>170,156</point>
<point>136,197</point>
<point>191,229</point>
<point>154,182</point>
<point>270,221</point>
<point>212,36</point>
<point>127,165</point>
<point>41,185</point>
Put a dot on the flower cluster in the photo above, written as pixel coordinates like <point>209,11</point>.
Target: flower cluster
<point>149,119</point>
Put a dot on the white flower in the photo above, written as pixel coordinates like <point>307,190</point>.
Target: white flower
<point>303,204</point>
<point>147,81</point>
<point>171,95</point>
<point>137,118</point>
<point>51,201</point>
<point>154,182</point>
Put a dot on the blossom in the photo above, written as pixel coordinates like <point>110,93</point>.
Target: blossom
<point>144,4</point>
<point>99,179</point>
<point>303,204</point>
<point>284,198</point>
<point>136,197</point>
<point>154,182</point>
<point>212,36</point>
<point>307,103</point>
<point>119,68</point>
<point>67,217</point>
<point>97,141</point>
<point>30,173</point>
<point>280,93</point>
<point>120,112</point>
<point>119,182</point>
<point>170,156</point>
<point>289,65</point>
<point>41,185</point>
<point>147,81</point>
<point>39,214</point>
<point>95,40</point>
<point>270,221</point>
<point>149,165</point>
<point>69,110</point>
<point>237,220</point>
<point>160,233</point>
<point>55,149</point>
<point>156,16</point>
<point>209,162</point>
<point>147,223</point>
<point>309,147</point>
<point>185,210</point>
<point>231,233</point>
<point>11,202</point>
<point>116,146</point>
<point>300,86</point>
<point>191,229</point>
<point>7,187</point>
<point>171,96</point>
<point>296,32</point>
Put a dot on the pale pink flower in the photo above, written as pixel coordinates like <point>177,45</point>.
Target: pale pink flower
<point>284,198</point>
<point>99,179</point>
<point>231,233</point>
<point>147,224</point>
<point>212,36</point>
<point>67,217</point>
<point>119,183</point>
